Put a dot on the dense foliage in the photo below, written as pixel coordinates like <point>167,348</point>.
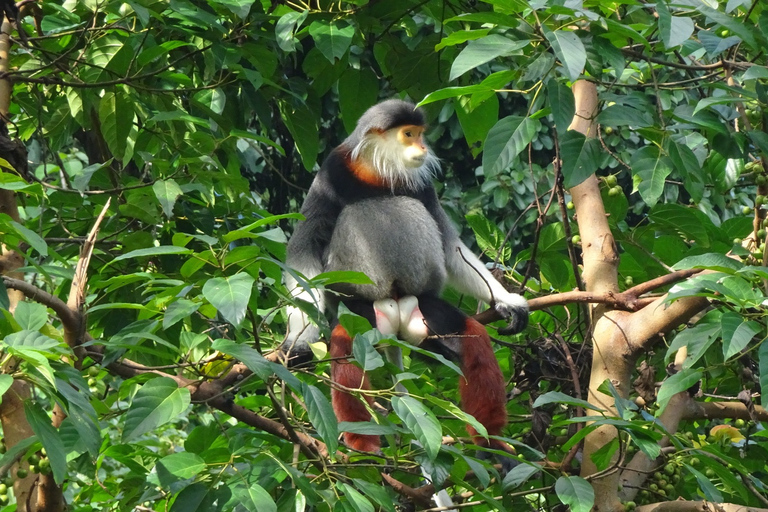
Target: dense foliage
<point>198,125</point>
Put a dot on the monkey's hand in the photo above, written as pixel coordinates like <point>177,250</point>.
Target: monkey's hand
<point>512,307</point>
<point>295,349</point>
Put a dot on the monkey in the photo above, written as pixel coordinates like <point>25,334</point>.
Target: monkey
<point>372,208</point>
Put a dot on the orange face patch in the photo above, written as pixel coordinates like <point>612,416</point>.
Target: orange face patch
<point>410,134</point>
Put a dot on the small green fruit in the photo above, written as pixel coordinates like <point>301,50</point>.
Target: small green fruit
<point>22,473</point>
<point>570,205</point>
<point>608,130</point>
<point>576,239</point>
<point>746,210</point>
<point>629,281</point>
<point>615,191</point>
<point>611,180</point>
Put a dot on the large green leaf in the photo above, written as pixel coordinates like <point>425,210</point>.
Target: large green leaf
<point>153,251</point>
<point>575,492</point>
<point>116,114</point>
<point>358,90</point>
<point>505,141</point>
<point>176,467</point>
<point>568,49</point>
<point>484,50</point>
<point>286,27</point>
<point>677,383</point>
<point>650,170</point>
<point>31,315</point>
<point>421,422</point>
<point>738,334</point>
<point>674,30</point>
<point>255,498</point>
<point>685,221</point>
<point>230,295</point>
<point>300,121</point>
<point>763,356</point>
<point>562,103</point>
<point>322,416</point>
<point>332,39</point>
<point>49,437</point>
<point>167,192</point>
<point>159,401</point>
<point>356,501</point>
<point>581,157</point>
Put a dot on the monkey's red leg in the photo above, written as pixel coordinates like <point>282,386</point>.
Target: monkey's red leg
<point>482,389</point>
<point>346,406</point>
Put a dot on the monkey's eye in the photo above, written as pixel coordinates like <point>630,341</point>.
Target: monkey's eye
<point>408,133</point>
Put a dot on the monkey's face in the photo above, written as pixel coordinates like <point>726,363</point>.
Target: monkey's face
<point>411,144</point>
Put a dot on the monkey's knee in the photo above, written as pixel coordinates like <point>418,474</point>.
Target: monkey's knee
<point>413,326</point>
<point>387,316</point>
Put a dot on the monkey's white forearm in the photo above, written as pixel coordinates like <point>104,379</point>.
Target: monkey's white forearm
<point>298,321</point>
<point>467,274</point>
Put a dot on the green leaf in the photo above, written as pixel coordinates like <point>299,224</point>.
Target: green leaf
<point>575,492</point>
<point>194,498</point>
<point>505,141</point>
<point>675,384</point>
<point>763,356</point>
<point>557,397</point>
<point>519,475</point>
<point>31,238</point>
<point>562,103</point>
<point>32,340</point>
<point>31,315</point>
<point>705,484</point>
<point>356,501</point>
<point>302,124</point>
<point>453,92</point>
<point>421,422</point>
<point>651,168</point>
<point>581,157</point>
<point>179,310</point>
<point>461,36</point>
<point>49,437</point>
<point>332,39</point>
<point>256,499</point>
<point>175,467</point>
<point>746,31</point>
<point>159,401</point>
<point>116,116</point>
<point>256,362</point>
<point>711,261</point>
<point>685,221</point>
<point>568,49</point>
<point>719,100</point>
<point>5,384</point>
<point>167,191</point>
<point>358,90</point>
<point>674,30</point>
<point>163,250</point>
<point>286,27</point>
<point>230,295</point>
<point>736,340</point>
<point>364,350</point>
<point>484,50</point>
<point>622,115</point>
<point>321,416</point>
